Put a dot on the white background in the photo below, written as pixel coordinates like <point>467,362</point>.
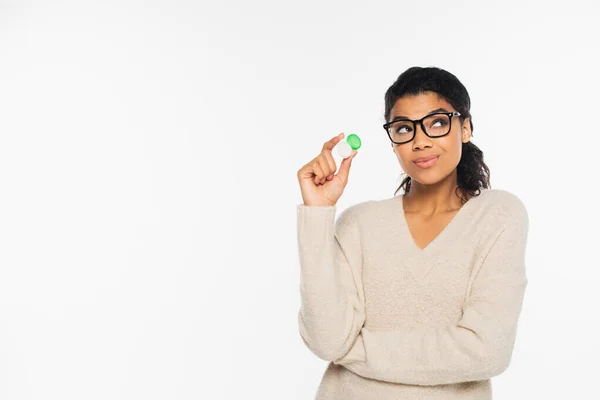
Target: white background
<point>148,190</point>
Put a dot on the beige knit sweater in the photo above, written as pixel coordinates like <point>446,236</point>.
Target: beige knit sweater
<point>399,322</point>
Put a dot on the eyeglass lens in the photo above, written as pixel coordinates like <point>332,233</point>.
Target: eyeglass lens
<point>435,125</point>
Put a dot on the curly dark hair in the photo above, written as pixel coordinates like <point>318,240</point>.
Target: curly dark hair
<point>472,172</point>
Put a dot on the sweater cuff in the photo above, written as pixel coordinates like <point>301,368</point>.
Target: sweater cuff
<point>316,226</point>
<point>356,353</point>
<point>315,216</point>
<point>304,208</point>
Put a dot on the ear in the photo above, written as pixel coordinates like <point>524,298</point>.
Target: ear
<point>466,131</point>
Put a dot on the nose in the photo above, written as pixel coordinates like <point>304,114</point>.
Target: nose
<point>421,139</point>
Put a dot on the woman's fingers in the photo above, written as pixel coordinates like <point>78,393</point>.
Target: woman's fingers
<point>331,166</point>
<point>330,144</point>
<point>345,167</point>
<point>328,157</point>
<point>324,165</point>
<point>318,171</point>
<point>325,168</point>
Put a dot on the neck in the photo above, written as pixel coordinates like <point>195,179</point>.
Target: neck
<point>432,199</point>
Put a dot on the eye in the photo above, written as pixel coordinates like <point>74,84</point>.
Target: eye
<point>400,127</point>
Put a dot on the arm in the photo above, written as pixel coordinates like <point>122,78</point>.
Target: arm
<point>478,347</point>
<point>331,311</point>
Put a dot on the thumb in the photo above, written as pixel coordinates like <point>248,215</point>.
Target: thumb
<point>345,167</point>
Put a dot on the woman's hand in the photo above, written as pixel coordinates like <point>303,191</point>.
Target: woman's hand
<point>318,184</point>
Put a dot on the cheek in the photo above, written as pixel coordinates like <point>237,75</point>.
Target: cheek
<point>401,156</point>
<point>452,153</point>
<point>451,146</point>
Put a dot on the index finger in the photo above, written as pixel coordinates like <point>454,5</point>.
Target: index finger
<point>330,144</point>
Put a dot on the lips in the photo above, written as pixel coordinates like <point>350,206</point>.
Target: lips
<point>420,159</point>
<point>428,163</point>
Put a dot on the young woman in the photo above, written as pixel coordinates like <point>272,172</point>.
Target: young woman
<point>416,296</point>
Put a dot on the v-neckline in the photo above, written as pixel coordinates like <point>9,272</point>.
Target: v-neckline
<point>444,232</point>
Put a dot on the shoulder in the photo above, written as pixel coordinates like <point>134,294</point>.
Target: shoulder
<point>506,206</point>
<point>369,214</point>
<point>357,211</point>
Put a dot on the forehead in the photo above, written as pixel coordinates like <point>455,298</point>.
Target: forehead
<point>416,106</point>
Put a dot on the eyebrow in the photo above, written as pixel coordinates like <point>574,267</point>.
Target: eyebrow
<point>441,109</point>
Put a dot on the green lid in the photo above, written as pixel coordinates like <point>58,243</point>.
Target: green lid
<point>354,141</point>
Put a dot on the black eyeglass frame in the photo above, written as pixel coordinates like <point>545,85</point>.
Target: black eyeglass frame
<point>420,121</point>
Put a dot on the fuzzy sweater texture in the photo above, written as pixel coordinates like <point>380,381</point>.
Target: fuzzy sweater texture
<point>399,322</point>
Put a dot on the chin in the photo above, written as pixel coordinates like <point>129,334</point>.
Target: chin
<point>426,178</point>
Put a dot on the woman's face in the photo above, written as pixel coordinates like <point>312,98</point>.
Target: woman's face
<point>448,148</point>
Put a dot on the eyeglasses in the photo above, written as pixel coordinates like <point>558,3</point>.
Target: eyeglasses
<point>434,125</point>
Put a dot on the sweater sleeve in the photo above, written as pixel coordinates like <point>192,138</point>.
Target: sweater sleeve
<point>478,346</point>
<point>331,310</point>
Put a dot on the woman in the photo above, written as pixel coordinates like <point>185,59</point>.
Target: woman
<point>416,296</point>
